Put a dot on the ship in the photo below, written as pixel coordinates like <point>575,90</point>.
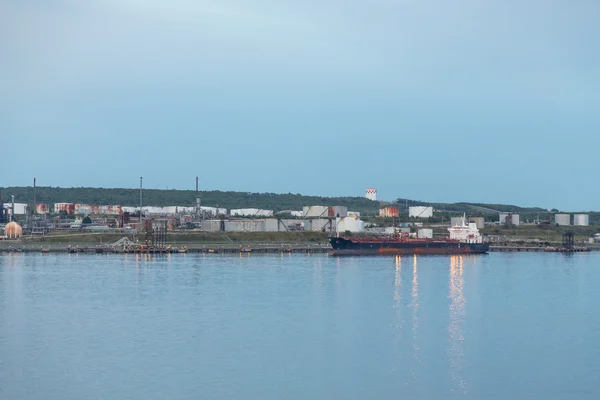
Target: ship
<point>463,239</point>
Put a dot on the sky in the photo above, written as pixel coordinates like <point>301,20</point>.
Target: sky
<point>493,101</point>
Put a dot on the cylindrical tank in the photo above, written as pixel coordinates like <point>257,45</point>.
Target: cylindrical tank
<point>562,219</point>
<point>581,219</point>
<point>12,230</point>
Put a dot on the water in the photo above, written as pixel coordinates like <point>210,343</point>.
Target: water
<point>499,326</point>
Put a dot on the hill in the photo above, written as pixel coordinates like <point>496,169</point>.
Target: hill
<point>229,200</point>
<point>156,197</point>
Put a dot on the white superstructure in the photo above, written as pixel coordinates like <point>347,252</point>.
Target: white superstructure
<point>465,233</point>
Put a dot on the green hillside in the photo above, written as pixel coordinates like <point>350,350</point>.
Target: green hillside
<point>229,200</point>
<point>155,197</point>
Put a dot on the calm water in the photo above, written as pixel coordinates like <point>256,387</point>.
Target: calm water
<point>500,326</point>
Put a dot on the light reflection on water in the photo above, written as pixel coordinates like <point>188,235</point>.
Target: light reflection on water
<point>455,328</point>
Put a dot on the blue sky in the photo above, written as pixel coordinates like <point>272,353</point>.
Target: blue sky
<point>486,101</point>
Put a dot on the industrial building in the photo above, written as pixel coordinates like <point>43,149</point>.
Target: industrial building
<point>562,219</point>
<point>509,219</point>
<point>420,212</point>
<point>20,209</point>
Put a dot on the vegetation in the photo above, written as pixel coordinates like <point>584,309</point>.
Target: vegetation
<point>156,197</point>
<point>269,201</point>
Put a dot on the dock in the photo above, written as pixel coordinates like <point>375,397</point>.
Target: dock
<point>204,249</point>
<point>538,249</point>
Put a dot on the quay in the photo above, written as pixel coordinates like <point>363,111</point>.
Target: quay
<point>207,249</point>
<point>538,249</point>
<point>243,249</point>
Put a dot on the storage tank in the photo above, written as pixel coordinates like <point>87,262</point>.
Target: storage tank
<point>479,221</point>
<point>271,225</point>
<point>349,224</point>
<point>420,212</point>
<point>562,219</point>
<point>513,219</point>
<point>69,208</point>
<point>315,211</point>
<point>209,225</point>
<point>338,211</point>
<point>83,209</point>
<point>42,208</point>
<point>581,219</point>
<point>320,225</point>
<point>457,221</point>
<point>13,230</point>
<point>389,212</point>
<point>425,233</point>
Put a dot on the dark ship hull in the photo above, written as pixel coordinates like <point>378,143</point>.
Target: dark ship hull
<point>359,247</point>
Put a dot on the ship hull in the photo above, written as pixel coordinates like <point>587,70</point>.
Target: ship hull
<point>342,246</point>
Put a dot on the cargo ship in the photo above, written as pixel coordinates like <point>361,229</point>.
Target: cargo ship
<point>463,239</point>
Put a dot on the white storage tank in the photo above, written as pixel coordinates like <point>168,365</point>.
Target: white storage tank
<point>349,224</point>
<point>320,225</point>
<point>247,225</point>
<point>581,219</point>
<point>457,221</point>
<point>425,233</point>
<point>420,212</point>
<point>211,225</point>
<point>315,211</point>
<point>479,221</point>
<point>271,225</point>
<point>251,212</point>
<point>562,219</point>
<point>513,219</point>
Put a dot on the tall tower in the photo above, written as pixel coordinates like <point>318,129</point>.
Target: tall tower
<point>371,194</point>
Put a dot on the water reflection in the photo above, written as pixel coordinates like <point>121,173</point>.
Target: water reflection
<point>398,287</point>
<point>455,327</point>
<point>415,318</point>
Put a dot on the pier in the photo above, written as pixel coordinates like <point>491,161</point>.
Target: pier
<point>202,249</point>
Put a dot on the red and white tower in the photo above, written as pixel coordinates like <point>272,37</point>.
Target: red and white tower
<point>371,194</point>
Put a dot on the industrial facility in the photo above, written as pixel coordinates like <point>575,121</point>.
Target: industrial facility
<point>18,219</point>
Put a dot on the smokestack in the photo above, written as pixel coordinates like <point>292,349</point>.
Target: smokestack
<point>140,202</point>
<point>12,214</point>
<point>198,208</point>
<point>34,199</point>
